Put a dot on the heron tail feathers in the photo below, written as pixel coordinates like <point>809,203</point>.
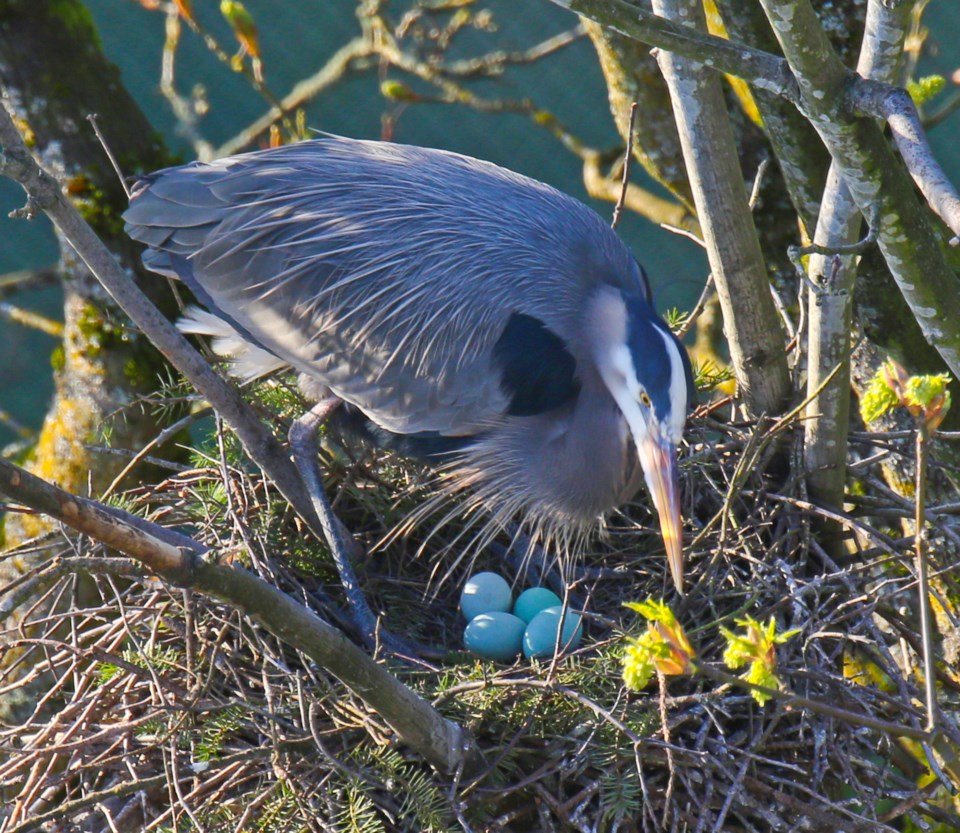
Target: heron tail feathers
<point>247,361</point>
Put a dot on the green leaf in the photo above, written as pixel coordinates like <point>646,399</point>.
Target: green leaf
<point>653,611</point>
<point>923,390</point>
<point>924,89</point>
<point>760,675</point>
<point>637,665</point>
<point>878,398</point>
<point>756,647</point>
<point>739,650</point>
<point>397,91</point>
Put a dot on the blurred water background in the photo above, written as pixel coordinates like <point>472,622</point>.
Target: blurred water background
<point>297,38</point>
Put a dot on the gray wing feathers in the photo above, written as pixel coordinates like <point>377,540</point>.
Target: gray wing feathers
<point>386,271</point>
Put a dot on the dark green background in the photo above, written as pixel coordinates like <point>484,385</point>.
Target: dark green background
<point>297,38</point>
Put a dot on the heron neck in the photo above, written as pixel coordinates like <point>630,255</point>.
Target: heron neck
<point>583,466</point>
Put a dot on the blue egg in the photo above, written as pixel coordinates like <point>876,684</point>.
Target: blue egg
<point>495,636</point>
<point>540,638</point>
<point>483,593</point>
<point>530,602</point>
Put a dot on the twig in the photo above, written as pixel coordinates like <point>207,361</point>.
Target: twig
<point>920,541</point>
<point>21,279</point>
<point>666,213</point>
<point>859,247</point>
<point>627,158</point>
<point>34,320</point>
<point>494,62</point>
<point>160,439</point>
<point>816,706</point>
<point>329,74</point>
<point>92,118</point>
<point>12,424</point>
<point>758,182</point>
<point>698,309</point>
<point>30,585</point>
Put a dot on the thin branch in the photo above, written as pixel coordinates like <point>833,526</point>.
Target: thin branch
<point>306,90</point>
<point>641,201</point>
<point>895,106</point>
<point>494,62</point>
<point>31,585</point>
<point>923,576</point>
<point>92,118</point>
<point>791,701</point>
<point>167,433</point>
<point>33,320</point>
<point>627,158</point>
<point>22,279</point>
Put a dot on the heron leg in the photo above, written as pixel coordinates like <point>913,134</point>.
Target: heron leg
<point>304,444</point>
<point>532,564</point>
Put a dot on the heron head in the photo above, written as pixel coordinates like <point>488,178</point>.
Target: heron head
<point>648,373</point>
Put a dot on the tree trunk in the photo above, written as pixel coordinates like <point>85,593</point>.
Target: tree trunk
<point>53,74</point>
<point>750,318</point>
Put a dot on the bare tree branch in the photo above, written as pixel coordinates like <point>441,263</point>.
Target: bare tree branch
<point>440,741</point>
<point>761,69</point>
<point>306,90</point>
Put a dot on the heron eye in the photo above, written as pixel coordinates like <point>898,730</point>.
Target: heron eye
<point>645,399</point>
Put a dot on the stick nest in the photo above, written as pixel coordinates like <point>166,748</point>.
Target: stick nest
<point>146,707</point>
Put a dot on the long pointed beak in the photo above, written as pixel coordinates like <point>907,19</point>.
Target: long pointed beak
<point>659,460</point>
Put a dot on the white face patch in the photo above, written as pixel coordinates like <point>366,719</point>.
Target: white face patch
<point>622,363</point>
<point>620,376</point>
<point>678,390</point>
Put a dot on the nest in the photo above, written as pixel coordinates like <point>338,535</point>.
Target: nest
<point>164,710</point>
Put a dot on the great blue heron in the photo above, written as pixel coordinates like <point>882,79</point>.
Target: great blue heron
<point>465,313</point>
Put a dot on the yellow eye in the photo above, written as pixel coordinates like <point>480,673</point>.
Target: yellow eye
<point>644,399</point>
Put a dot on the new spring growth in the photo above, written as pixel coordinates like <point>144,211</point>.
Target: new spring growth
<point>245,31</point>
<point>398,91</point>
<point>925,397</point>
<point>185,8</point>
<point>664,646</point>
<point>924,90</point>
<point>756,647</point>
